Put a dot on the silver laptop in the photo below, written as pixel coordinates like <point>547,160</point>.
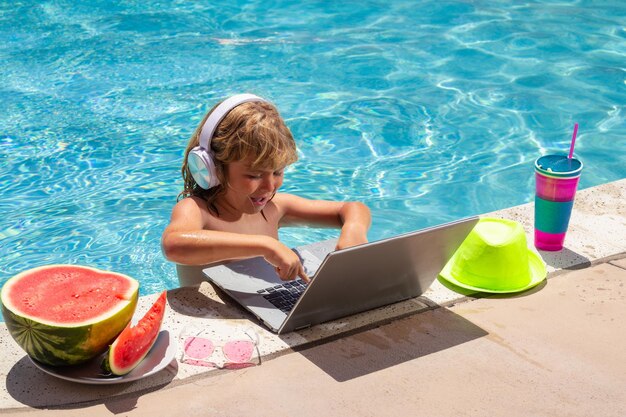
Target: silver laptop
<point>343,282</point>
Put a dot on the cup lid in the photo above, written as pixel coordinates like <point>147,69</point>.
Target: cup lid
<point>558,166</point>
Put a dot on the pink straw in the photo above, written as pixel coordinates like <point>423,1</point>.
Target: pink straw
<point>571,146</point>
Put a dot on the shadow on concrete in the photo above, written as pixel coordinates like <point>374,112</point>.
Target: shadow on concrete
<point>390,345</point>
<point>194,302</point>
<point>32,387</point>
<point>565,259</point>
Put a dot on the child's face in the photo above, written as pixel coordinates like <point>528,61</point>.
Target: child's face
<point>249,190</point>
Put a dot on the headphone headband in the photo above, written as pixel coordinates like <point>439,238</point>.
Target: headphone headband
<point>218,114</point>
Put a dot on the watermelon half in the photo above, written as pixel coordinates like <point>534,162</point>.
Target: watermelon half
<point>134,343</point>
<point>67,314</point>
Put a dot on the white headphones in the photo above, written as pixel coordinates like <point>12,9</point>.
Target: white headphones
<point>200,160</point>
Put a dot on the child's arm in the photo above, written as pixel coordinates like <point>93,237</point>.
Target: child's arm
<point>353,218</point>
<point>185,241</point>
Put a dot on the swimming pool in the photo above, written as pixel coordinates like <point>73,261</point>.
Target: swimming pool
<point>427,111</point>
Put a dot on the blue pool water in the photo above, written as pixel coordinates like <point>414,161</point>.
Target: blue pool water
<point>427,111</point>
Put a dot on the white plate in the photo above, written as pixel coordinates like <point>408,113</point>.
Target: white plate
<point>161,354</point>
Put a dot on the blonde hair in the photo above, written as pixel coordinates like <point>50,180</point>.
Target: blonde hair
<point>252,130</point>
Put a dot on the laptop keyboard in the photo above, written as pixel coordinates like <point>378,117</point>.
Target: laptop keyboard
<point>284,296</point>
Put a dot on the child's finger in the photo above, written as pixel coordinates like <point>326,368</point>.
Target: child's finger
<point>286,274</point>
<point>303,275</point>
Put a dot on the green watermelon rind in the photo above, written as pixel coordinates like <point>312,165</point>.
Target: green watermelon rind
<point>60,344</point>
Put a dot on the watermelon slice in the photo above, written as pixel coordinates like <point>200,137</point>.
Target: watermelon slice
<point>67,314</point>
<point>134,343</point>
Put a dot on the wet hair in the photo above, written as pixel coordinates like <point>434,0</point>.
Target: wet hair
<point>252,131</point>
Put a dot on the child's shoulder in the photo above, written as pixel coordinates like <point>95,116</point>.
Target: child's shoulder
<point>190,200</point>
<point>191,204</point>
<point>189,213</point>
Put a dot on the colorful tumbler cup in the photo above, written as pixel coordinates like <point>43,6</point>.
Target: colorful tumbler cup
<point>556,179</point>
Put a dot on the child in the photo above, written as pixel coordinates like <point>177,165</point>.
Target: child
<point>234,165</point>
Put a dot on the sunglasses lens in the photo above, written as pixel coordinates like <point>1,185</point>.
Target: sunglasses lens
<point>198,347</point>
<point>238,351</point>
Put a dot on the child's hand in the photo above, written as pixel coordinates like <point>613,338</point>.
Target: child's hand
<point>287,263</point>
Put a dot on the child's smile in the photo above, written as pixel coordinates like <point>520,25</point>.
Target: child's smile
<point>259,201</point>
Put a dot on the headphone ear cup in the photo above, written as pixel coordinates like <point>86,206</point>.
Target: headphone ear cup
<point>202,168</point>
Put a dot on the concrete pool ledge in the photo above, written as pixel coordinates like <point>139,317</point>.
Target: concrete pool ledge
<point>597,234</point>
